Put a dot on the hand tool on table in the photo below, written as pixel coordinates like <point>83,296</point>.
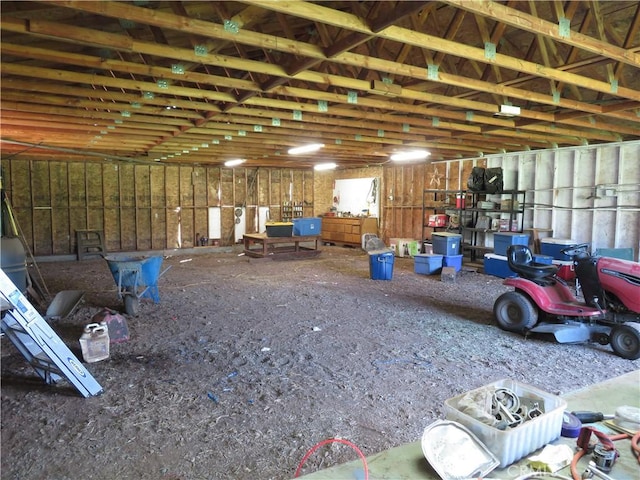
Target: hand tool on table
<point>591,417</point>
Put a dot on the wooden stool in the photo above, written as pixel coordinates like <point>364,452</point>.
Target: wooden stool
<point>90,242</point>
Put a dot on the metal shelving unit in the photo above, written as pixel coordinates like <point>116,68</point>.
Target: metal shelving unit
<point>473,214</point>
<point>490,213</point>
<point>442,202</point>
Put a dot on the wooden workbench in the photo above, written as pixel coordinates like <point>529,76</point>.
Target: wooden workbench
<point>260,246</point>
<point>407,462</point>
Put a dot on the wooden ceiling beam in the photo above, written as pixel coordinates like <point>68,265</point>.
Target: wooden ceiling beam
<point>530,23</point>
<point>43,73</point>
<point>77,34</point>
<point>333,17</point>
<point>344,20</point>
<point>228,83</point>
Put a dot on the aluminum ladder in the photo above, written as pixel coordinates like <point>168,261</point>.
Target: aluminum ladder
<point>39,344</point>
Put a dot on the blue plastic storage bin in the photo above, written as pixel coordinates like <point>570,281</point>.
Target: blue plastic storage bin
<point>452,261</point>
<point>502,240</point>
<point>445,243</point>
<point>381,265</point>
<point>553,247</point>
<point>543,259</point>
<point>497,265</point>
<point>427,264</point>
<point>307,226</point>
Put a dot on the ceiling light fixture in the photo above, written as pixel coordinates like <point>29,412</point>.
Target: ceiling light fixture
<point>234,163</point>
<point>324,166</point>
<point>312,147</point>
<point>508,111</point>
<point>410,155</point>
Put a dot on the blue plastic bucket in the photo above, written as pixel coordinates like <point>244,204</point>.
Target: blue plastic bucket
<point>381,265</point>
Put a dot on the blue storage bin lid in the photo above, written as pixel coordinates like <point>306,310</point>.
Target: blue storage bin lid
<point>558,241</point>
<point>380,252</point>
<point>446,234</point>
<point>510,234</point>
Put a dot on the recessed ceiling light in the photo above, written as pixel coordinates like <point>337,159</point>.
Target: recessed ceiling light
<point>234,163</point>
<point>410,155</point>
<point>325,166</point>
<point>312,147</point>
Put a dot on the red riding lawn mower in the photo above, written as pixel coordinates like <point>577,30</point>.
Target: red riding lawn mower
<point>607,312</point>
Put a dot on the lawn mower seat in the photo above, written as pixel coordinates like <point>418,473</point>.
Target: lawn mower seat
<point>521,261</point>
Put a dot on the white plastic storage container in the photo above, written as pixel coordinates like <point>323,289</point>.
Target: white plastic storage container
<point>512,444</point>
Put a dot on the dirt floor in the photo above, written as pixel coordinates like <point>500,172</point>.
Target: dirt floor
<point>243,366</point>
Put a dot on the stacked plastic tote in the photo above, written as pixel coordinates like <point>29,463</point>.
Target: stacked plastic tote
<point>446,253</point>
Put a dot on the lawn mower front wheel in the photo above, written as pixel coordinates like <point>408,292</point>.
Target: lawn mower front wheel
<point>515,312</point>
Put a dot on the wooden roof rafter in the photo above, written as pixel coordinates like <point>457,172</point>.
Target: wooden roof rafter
<point>428,52</point>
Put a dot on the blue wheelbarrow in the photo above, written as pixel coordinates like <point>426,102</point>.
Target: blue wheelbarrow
<point>136,277</point>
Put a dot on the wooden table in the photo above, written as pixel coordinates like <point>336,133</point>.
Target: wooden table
<point>259,245</point>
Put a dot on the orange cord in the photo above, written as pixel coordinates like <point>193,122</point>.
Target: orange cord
<point>334,440</point>
<point>635,445</point>
<point>574,462</point>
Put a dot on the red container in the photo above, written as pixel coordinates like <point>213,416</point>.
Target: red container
<point>439,220</point>
<point>566,270</point>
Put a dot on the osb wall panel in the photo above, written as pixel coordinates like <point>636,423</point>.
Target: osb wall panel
<point>111,207</point>
<point>228,219</point>
<point>324,181</point>
<point>403,189</point>
<point>307,194</point>
<point>199,183</point>
<point>127,207</point>
<point>62,234</point>
<point>172,204</point>
<point>263,187</point>
<point>323,192</point>
<point>186,195</point>
<point>251,202</point>
<point>41,197</point>
<point>213,187</point>
<point>275,195</point>
<point>142,207</point>
<point>158,207</point>
<point>201,220</point>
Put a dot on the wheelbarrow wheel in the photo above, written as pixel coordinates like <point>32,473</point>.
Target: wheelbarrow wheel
<point>131,303</point>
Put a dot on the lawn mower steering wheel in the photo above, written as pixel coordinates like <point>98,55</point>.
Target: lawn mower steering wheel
<point>575,250</point>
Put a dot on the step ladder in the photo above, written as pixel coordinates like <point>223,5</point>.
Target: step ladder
<point>39,344</point>
<point>90,242</point>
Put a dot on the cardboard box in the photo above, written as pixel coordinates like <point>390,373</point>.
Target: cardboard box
<point>406,247</point>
